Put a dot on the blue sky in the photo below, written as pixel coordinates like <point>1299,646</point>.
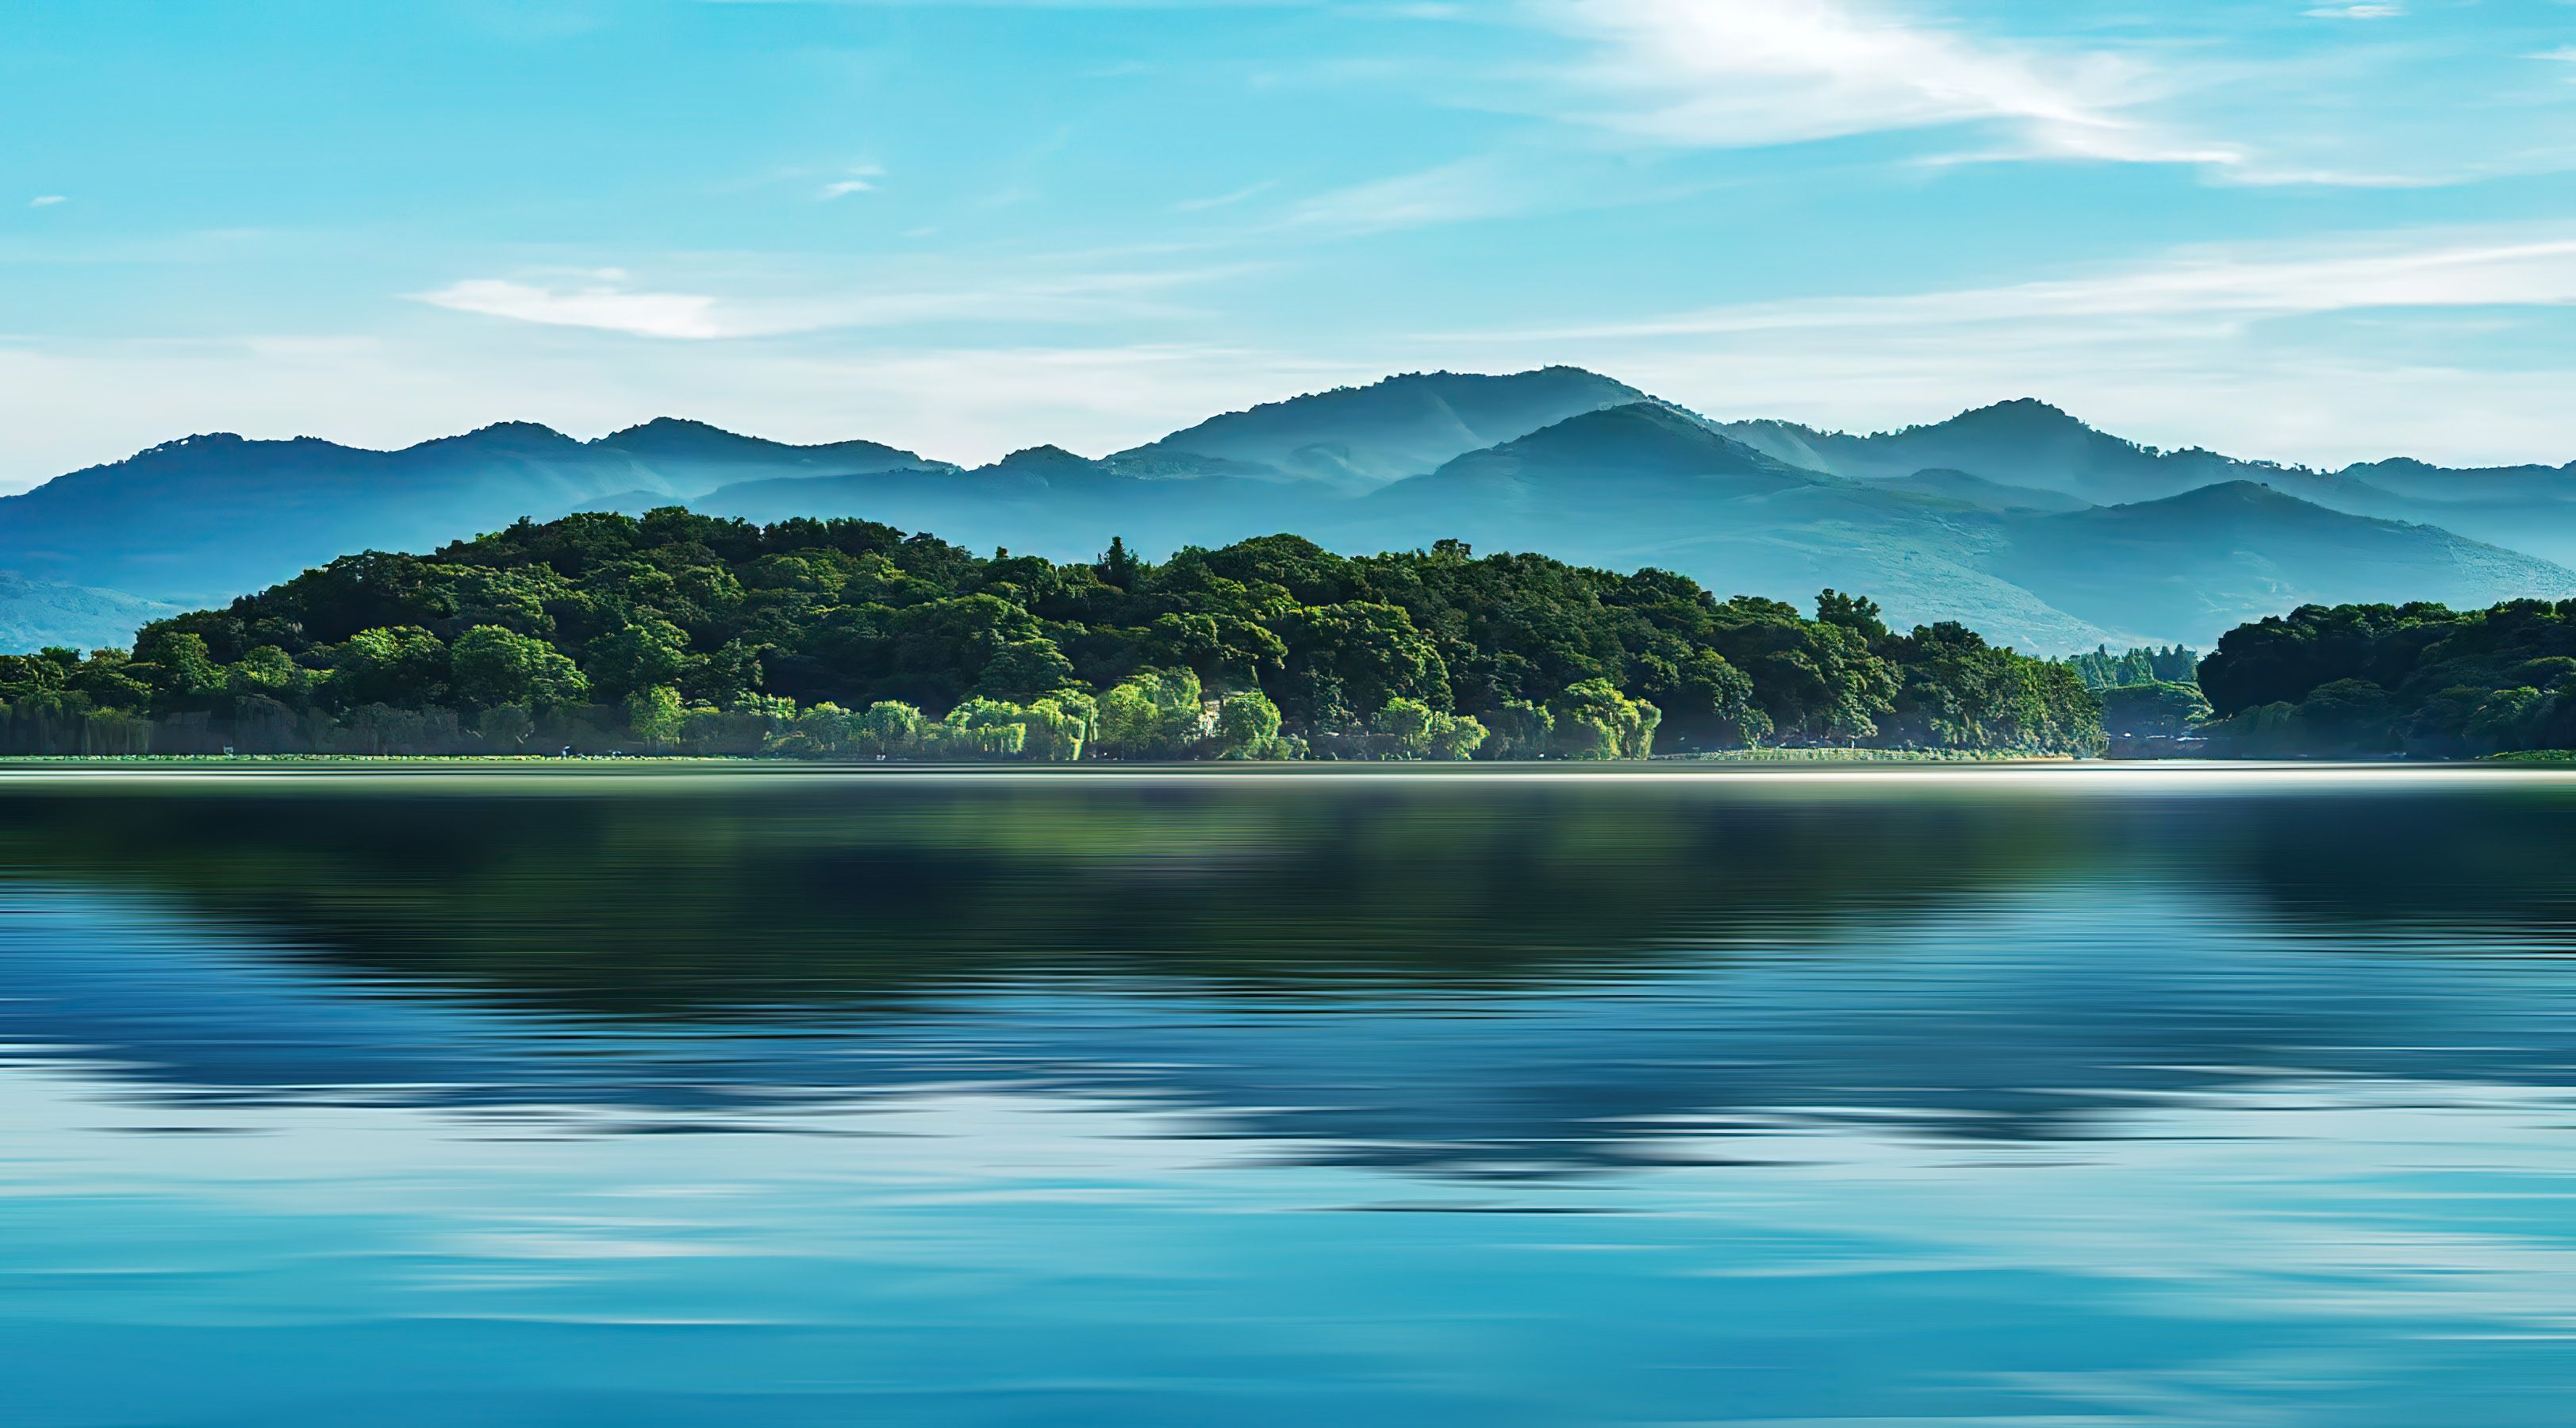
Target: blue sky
<point>2309,231</point>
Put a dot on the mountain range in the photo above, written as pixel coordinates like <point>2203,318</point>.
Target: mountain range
<point>2017,518</point>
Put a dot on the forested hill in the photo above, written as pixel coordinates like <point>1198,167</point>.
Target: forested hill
<point>678,631</point>
<point>2374,680</point>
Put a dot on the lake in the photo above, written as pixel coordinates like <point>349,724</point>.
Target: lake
<point>2050,1096</point>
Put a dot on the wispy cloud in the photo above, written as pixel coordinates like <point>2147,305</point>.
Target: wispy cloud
<point>1450,193</point>
<point>1047,291</point>
<point>2355,12</point>
<point>47,200</point>
<point>2333,350</point>
<point>605,307</point>
<point>2380,272</point>
<point>860,179</point>
<point>1749,73</point>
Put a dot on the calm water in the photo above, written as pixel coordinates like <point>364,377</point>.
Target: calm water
<point>2050,1097</point>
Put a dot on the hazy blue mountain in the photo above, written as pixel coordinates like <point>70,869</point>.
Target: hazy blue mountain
<point>2017,443</point>
<point>2016,518</point>
<point>2421,480</point>
<point>1048,501</point>
<point>1360,437</point>
<point>210,516</point>
<point>2032,444</point>
<point>1981,493</point>
<point>1645,484</point>
<point>1642,451</point>
<point>37,613</point>
<point>2211,558</point>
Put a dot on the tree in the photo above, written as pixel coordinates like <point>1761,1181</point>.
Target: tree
<point>1856,613</point>
<point>980,729</point>
<point>1405,725</point>
<point>889,727</point>
<point>1371,650</point>
<point>1117,567</point>
<point>1520,730</point>
<point>2153,710</point>
<point>267,672</point>
<point>183,673</point>
<point>1595,721</point>
<point>637,656</point>
<point>402,668</point>
<point>1707,702</point>
<point>2508,718</point>
<point>1151,714</point>
<point>1059,726</point>
<point>654,713</point>
<point>493,666</point>
<point>504,726</point>
<point>1247,726</point>
<point>1024,670</point>
<point>1456,736</point>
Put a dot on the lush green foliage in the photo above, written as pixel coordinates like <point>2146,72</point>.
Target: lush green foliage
<point>2157,709</point>
<point>2420,679</point>
<point>850,639</point>
<point>2171,664</point>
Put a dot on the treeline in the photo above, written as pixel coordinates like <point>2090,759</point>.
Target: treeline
<point>2422,680</point>
<point>2150,696</point>
<point>2147,664</point>
<point>678,632</point>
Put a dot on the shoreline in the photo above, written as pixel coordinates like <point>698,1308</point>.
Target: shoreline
<point>2035,768</point>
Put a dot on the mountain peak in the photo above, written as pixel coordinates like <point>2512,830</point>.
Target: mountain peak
<point>526,436</point>
<point>1648,441</point>
<point>1045,460</point>
<point>2020,414</point>
<point>1634,427</point>
<point>1398,426</point>
<point>668,426</point>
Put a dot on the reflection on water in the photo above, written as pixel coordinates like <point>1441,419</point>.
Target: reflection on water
<point>2063,1097</point>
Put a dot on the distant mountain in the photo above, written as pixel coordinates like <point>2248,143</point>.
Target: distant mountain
<point>1049,501</point>
<point>2018,443</point>
<point>2016,518</point>
<point>2212,558</point>
<point>1649,484</point>
<point>210,516</point>
<point>1981,493</point>
<point>1361,437</point>
<point>2031,444</point>
<point>2421,480</point>
<point>1642,452</point>
<point>37,613</point>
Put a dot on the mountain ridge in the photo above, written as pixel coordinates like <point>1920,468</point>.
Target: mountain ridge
<point>1944,517</point>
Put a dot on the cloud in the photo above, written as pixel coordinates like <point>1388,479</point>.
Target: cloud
<point>862,179</point>
<point>1749,73</point>
<point>2355,12</point>
<point>47,200</point>
<point>2564,54</point>
<point>2352,349</point>
<point>1044,290</point>
<point>2519,269</point>
<point>1451,193</point>
<point>607,308</point>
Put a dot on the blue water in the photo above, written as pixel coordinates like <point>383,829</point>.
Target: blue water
<point>2048,1097</point>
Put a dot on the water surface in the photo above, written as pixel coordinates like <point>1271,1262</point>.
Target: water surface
<point>2074,1096</point>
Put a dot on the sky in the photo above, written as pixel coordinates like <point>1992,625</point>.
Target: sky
<point>2292,229</point>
